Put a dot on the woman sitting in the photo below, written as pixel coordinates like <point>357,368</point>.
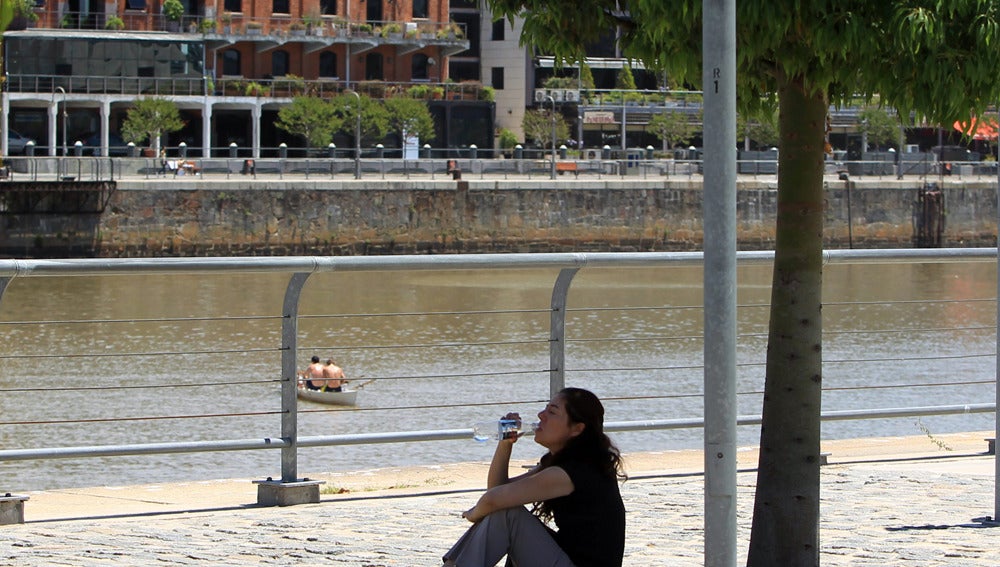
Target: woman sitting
<point>575,485</point>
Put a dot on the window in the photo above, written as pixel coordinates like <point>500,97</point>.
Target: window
<point>279,63</point>
<point>373,67</point>
<point>497,78</point>
<point>328,64</point>
<point>233,6</point>
<point>419,67</point>
<point>231,63</point>
<point>328,7</point>
<point>280,6</point>
<point>499,28</point>
<point>135,5</point>
<point>420,8</point>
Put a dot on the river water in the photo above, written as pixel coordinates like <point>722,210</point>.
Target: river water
<point>187,358</point>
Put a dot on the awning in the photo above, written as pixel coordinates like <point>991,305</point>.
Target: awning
<point>978,129</point>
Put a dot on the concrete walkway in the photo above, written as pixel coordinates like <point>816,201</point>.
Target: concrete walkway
<point>911,501</point>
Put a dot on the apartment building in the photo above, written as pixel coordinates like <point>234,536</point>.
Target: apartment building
<point>230,65</point>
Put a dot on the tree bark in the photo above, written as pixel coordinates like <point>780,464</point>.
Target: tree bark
<point>786,509</point>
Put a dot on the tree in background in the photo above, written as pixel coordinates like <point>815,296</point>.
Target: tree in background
<point>537,126</point>
<point>410,117</point>
<point>672,128</point>
<point>586,77</point>
<point>879,127</point>
<point>625,81</point>
<point>762,129</point>
<point>374,117</point>
<point>149,119</point>
<point>936,58</point>
<point>312,118</point>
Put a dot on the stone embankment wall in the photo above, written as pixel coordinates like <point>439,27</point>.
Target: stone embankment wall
<point>196,217</point>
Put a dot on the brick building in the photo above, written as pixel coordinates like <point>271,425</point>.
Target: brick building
<point>229,65</point>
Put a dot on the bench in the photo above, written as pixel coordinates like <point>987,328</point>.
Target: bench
<point>564,166</point>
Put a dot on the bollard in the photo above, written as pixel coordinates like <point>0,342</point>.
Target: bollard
<point>379,151</point>
<point>232,149</point>
<point>133,151</point>
<point>182,149</point>
<point>29,148</point>
<point>78,148</point>
<point>425,152</point>
<point>473,151</point>
<point>283,150</point>
<point>606,152</point>
<point>518,152</point>
<point>331,150</point>
<point>649,152</point>
<point>563,152</point>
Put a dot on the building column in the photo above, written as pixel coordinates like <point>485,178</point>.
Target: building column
<point>255,125</point>
<point>105,126</point>
<point>206,130</point>
<point>4,122</point>
<point>53,126</point>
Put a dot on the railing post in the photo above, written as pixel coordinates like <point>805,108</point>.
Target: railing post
<point>289,381</point>
<point>290,490</point>
<point>557,331</point>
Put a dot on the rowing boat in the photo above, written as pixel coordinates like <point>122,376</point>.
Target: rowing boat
<point>344,398</point>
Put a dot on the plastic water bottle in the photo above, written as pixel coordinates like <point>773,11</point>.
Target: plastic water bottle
<point>502,429</point>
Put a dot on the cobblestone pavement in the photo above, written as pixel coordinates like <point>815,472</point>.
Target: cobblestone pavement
<point>917,512</point>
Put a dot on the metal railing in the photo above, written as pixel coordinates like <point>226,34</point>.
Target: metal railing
<point>300,269</point>
<point>335,163</point>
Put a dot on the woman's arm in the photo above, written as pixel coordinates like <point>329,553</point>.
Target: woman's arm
<point>500,464</point>
<point>551,482</point>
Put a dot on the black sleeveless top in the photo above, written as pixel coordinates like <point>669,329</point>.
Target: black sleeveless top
<point>591,520</point>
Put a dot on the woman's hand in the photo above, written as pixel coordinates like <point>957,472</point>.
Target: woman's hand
<point>470,515</point>
<point>512,437</point>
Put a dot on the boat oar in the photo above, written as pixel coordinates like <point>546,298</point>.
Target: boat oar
<point>363,384</point>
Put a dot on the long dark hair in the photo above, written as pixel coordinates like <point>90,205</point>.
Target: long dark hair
<point>591,446</point>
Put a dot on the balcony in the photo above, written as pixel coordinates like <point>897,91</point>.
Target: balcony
<point>231,28</point>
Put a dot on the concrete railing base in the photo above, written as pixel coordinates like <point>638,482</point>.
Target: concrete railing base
<point>12,509</point>
<point>277,493</point>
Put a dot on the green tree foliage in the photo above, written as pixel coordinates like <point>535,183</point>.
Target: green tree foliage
<point>761,129</point>
<point>374,117</point>
<point>881,128</point>
<point>312,118</point>
<point>410,117</point>
<point>537,126</point>
<point>672,128</point>
<point>936,58</point>
<point>625,80</point>
<point>149,119</point>
<point>586,77</point>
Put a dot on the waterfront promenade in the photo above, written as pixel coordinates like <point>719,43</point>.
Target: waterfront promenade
<point>888,501</point>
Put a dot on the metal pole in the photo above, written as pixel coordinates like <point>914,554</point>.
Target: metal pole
<point>552,170</point>
<point>64,114</point>
<point>557,331</point>
<point>996,417</point>
<point>289,379</point>
<point>719,86</point>
<point>357,137</point>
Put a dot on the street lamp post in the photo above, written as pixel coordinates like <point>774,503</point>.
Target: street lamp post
<point>357,137</point>
<point>64,115</point>
<point>552,162</point>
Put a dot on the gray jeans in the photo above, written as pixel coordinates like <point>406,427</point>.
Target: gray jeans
<point>513,532</point>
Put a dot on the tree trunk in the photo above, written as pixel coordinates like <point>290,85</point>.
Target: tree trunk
<point>786,509</point>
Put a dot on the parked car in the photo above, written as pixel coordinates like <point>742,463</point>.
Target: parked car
<point>16,142</point>
<point>117,147</point>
